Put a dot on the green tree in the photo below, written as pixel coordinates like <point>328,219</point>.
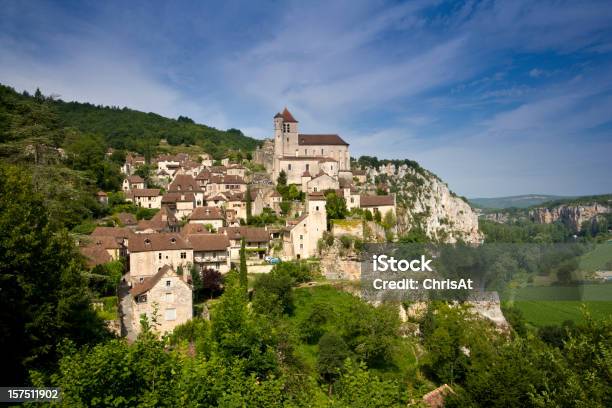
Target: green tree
<point>335,206</point>
<point>244,281</point>
<point>249,205</point>
<point>44,294</point>
<point>333,351</point>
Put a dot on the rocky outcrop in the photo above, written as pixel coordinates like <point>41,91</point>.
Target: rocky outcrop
<point>573,216</point>
<point>425,202</point>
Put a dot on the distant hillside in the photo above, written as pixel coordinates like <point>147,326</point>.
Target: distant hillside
<point>128,129</point>
<point>520,201</point>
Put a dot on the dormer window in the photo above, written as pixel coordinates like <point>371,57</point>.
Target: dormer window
<point>147,241</point>
<point>173,240</point>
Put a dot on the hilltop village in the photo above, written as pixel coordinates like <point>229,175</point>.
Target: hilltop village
<point>206,212</point>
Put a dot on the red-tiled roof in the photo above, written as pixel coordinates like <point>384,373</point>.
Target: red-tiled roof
<point>251,234</point>
<point>375,201</point>
<point>183,182</point>
<point>206,213</point>
<point>330,139</point>
<point>116,232</point>
<point>288,117</point>
<point>208,242</point>
<point>157,242</point>
<point>135,179</point>
<point>149,283</point>
<point>145,192</point>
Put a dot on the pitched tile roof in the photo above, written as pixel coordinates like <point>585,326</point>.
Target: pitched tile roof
<point>251,234</point>
<point>149,283</point>
<point>329,139</point>
<point>288,117</point>
<point>206,213</point>
<point>163,241</point>
<point>95,255</point>
<point>135,179</point>
<point>145,192</point>
<point>208,242</point>
<point>116,232</point>
<point>376,200</point>
<point>183,182</point>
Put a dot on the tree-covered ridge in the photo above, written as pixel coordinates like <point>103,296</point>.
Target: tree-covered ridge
<point>128,129</point>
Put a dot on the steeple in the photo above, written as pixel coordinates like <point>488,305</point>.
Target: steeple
<point>287,116</point>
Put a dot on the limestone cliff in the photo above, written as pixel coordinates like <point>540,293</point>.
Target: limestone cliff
<point>573,216</point>
<point>425,202</point>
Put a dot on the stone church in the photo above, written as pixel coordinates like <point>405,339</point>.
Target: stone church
<point>314,161</point>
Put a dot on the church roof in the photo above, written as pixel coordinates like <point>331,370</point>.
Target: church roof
<point>320,140</point>
<point>287,116</point>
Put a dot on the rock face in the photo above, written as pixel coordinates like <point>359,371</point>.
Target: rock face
<point>573,216</point>
<point>425,202</point>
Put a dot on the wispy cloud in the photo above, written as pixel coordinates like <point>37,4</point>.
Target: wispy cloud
<point>476,90</point>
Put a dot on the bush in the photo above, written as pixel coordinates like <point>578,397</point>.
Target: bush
<point>346,241</point>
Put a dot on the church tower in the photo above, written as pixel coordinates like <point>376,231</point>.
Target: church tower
<point>285,138</point>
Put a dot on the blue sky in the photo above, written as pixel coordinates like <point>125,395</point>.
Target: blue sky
<point>497,98</point>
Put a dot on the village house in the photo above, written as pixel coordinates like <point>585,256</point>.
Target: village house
<point>236,170</point>
<point>378,203</point>
<point>210,251</point>
<point>296,153</point>
<point>133,183</point>
<point>186,183</point>
<point>163,221</point>
<point>360,176</point>
<point>131,164</point>
<point>321,182</point>
<point>207,215</point>
<point>119,234</point>
<point>99,250</point>
<point>301,236</point>
<point>146,198</point>
<point>181,204</point>
<point>166,294</point>
<point>149,252</point>
<point>216,200</point>
<point>257,241</point>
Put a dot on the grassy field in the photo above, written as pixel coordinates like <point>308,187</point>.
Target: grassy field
<point>552,305</point>
<point>597,259</point>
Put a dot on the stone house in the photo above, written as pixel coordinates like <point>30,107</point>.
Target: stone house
<point>163,221</point>
<point>236,170</point>
<point>146,198</point>
<point>164,298</point>
<point>207,215</point>
<point>210,251</point>
<point>149,252</point>
<point>257,241</point>
<point>132,163</point>
<point>133,183</point>
<point>321,182</point>
<point>180,203</point>
<point>301,236</point>
<point>378,203</point>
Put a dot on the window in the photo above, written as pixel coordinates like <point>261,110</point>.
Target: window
<point>183,255</point>
<point>317,208</point>
<point>287,140</point>
<point>159,256</point>
<point>301,246</point>
<point>307,167</point>
<point>322,152</point>
<point>301,237</point>
<point>305,152</point>
<point>168,283</point>
<point>142,299</point>
<point>170,314</point>
<point>149,205</point>
<point>289,166</point>
<point>141,279</point>
<point>169,297</point>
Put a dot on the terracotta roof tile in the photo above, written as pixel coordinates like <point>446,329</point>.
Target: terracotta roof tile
<point>329,139</point>
<point>206,213</point>
<point>377,200</point>
<point>157,242</point>
<point>208,242</point>
<point>288,117</point>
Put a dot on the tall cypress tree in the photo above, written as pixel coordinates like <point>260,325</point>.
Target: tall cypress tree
<point>243,266</point>
<point>249,204</point>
